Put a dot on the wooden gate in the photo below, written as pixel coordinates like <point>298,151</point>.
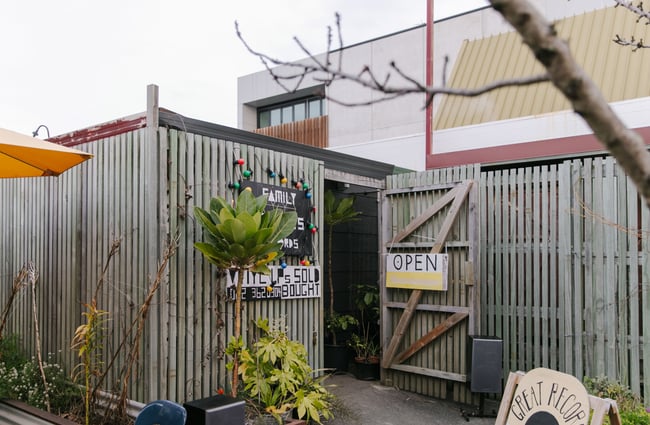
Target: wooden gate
<point>424,333</point>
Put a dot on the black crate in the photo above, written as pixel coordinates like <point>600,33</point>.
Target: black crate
<point>217,410</point>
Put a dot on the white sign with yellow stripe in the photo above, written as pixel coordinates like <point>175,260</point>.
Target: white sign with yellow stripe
<point>417,271</point>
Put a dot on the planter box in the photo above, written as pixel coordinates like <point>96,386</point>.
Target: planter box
<point>337,357</point>
<point>366,371</point>
<point>217,410</point>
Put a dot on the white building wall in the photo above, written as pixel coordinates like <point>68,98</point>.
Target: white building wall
<point>534,128</point>
<point>404,151</point>
<point>383,120</point>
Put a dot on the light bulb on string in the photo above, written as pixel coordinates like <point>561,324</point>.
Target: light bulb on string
<point>283,179</point>
<point>269,288</point>
<point>270,173</point>
<point>234,185</point>
<point>240,161</point>
<point>308,193</point>
<point>247,173</point>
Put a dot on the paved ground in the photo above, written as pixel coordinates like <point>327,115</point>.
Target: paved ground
<point>370,403</point>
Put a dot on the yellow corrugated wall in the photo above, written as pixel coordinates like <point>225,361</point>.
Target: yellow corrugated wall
<point>617,70</point>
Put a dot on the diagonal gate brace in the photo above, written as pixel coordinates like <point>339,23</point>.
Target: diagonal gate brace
<point>430,336</point>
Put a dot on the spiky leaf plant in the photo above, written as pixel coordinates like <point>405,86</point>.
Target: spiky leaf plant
<point>244,237</point>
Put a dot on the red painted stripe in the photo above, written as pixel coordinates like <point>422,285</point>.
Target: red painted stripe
<point>428,121</point>
<point>111,128</point>
<point>541,149</point>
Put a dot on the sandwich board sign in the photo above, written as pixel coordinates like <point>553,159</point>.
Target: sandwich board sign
<point>547,397</point>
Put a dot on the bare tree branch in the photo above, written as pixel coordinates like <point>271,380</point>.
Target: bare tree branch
<point>552,52</point>
<point>636,45</point>
<point>625,145</point>
<point>637,10</point>
<point>291,75</point>
<point>642,16</point>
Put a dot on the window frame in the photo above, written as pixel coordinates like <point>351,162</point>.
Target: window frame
<point>280,108</point>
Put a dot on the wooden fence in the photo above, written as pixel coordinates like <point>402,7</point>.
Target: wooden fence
<point>562,262</point>
<point>311,132</point>
<point>138,193</point>
<point>564,271</point>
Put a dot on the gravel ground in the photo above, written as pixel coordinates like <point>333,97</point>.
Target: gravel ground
<point>370,403</point>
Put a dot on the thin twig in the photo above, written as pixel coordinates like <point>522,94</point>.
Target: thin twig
<point>18,284</point>
<point>290,75</point>
<point>134,352</point>
<point>32,276</point>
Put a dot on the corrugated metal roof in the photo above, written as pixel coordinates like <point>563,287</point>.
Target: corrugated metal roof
<point>333,160</point>
<point>618,71</point>
<point>17,413</point>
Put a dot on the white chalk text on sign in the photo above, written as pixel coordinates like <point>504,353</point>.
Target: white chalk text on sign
<point>284,283</point>
<point>299,242</point>
<point>547,397</point>
<point>417,271</point>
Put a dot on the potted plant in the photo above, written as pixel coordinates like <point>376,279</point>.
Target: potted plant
<point>365,344</point>
<point>336,356</point>
<point>366,358</point>
<point>277,378</point>
<point>336,211</point>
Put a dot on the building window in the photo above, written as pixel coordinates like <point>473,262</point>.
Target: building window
<point>297,110</point>
<point>314,108</point>
<point>264,119</point>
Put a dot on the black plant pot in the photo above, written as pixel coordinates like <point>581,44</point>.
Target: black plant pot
<point>366,371</point>
<point>337,357</point>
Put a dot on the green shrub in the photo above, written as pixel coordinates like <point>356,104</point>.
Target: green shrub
<point>24,382</point>
<point>630,405</point>
<point>635,417</point>
<point>277,376</point>
<point>10,352</point>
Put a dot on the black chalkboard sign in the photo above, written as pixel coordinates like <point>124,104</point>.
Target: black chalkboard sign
<point>299,242</point>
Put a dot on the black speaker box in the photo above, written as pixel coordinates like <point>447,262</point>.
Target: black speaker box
<point>485,356</point>
<point>217,410</point>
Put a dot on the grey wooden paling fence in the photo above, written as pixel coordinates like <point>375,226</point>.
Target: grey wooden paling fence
<point>563,278</point>
<point>562,262</point>
<point>140,190</point>
<point>566,270</point>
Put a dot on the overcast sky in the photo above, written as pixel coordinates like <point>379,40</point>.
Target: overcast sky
<point>70,64</point>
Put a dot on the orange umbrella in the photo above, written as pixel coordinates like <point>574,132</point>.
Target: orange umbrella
<point>24,156</point>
